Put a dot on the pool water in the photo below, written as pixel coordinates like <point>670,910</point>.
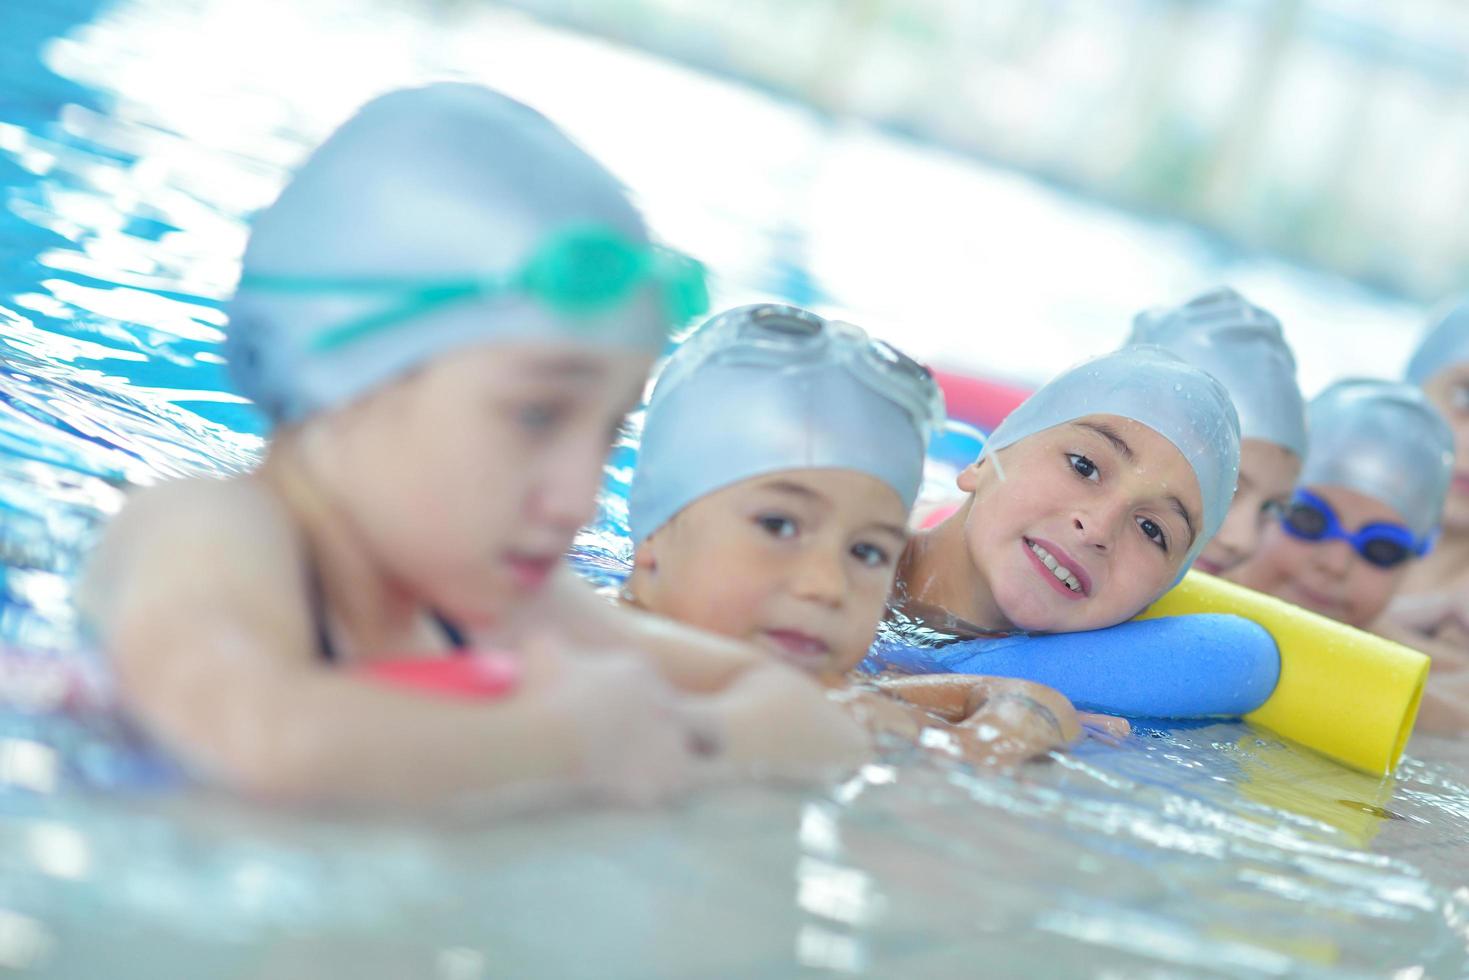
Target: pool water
<point>137,135</point>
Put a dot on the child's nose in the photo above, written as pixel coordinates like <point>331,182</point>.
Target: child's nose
<point>566,495</point>
<point>1335,557</point>
<point>1097,526</point>
<point>1238,538</point>
<point>821,578</point>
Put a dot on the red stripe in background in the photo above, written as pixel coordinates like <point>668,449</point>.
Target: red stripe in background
<point>976,401</point>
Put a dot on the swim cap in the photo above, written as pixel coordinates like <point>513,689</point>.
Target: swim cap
<point>1149,385</point>
<point>1383,439</point>
<point>764,388</point>
<point>1445,344</point>
<point>429,212</point>
<point>1242,346</point>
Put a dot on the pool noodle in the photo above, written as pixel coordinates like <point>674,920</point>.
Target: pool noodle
<point>1344,692</point>
<point>1178,667</point>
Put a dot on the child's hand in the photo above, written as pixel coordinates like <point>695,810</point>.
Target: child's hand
<point>1107,725</point>
<point>1019,718</point>
<point>632,743</point>
<point>777,721</point>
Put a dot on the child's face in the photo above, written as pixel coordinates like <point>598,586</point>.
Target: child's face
<point>1449,392</point>
<point>798,562</point>
<point>1328,577</point>
<point>1104,499</point>
<point>467,480</point>
<point>1267,475</point>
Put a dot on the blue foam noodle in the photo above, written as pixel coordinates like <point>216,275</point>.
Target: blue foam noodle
<point>1200,666</point>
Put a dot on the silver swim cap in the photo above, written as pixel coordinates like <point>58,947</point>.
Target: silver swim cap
<point>1386,440</point>
<point>1242,346</point>
<point>1149,385</point>
<point>437,218</point>
<point>1445,344</point>
<point>764,388</point>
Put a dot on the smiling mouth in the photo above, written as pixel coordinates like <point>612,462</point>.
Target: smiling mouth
<point>1064,579</point>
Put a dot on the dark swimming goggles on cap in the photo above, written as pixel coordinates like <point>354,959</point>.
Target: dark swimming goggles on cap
<point>1310,518</point>
<point>580,271</point>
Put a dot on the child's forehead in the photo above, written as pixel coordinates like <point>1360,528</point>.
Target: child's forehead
<point>1126,435</point>
<point>1354,506</point>
<point>829,488</point>
<point>556,361</point>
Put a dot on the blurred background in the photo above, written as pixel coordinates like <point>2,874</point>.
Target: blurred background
<point>1331,131</point>
<point>998,186</point>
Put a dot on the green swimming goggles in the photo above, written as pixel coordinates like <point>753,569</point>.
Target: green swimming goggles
<point>579,271</point>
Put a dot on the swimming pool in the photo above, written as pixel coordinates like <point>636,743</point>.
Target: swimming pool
<point>134,137</point>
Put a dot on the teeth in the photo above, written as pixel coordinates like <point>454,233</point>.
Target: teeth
<point>1059,570</point>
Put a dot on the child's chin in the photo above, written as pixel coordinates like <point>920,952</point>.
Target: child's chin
<point>1030,617</point>
<point>1037,618</point>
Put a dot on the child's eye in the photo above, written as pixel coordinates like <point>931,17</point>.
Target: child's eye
<point>1154,532</point>
<point>1271,509</point>
<point>871,555</point>
<point>539,416</point>
<point>777,525</point>
<point>1084,467</point>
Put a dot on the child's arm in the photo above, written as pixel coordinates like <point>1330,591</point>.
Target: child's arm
<point>690,659</point>
<point>1017,719</point>
<point>773,716</point>
<point>197,593</point>
<point>955,697</point>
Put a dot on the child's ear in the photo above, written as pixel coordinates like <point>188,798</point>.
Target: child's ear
<point>968,478</point>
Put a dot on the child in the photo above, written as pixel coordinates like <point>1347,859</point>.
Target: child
<point>1431,610</point>
<point>445,316</point>
<point>1087,503</point>
<point>1369,501</point>
<point>1243,348</point>
<point>780,456</point>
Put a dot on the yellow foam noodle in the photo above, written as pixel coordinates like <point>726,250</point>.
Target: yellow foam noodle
<point>1344,692</point>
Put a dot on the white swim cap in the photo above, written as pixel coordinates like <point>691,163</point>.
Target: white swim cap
<point>1444,344</point>
<point>765,388</point>
<point>437,218</point>
<point>1386,440</point>
<point>1242,346</point>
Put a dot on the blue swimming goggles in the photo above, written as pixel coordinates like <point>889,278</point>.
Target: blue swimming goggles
<point>580,271</point>
<point>1310,518</point>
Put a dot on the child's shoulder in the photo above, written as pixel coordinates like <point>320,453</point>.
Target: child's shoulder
<point>196,511</point>
<point>184,534</point>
